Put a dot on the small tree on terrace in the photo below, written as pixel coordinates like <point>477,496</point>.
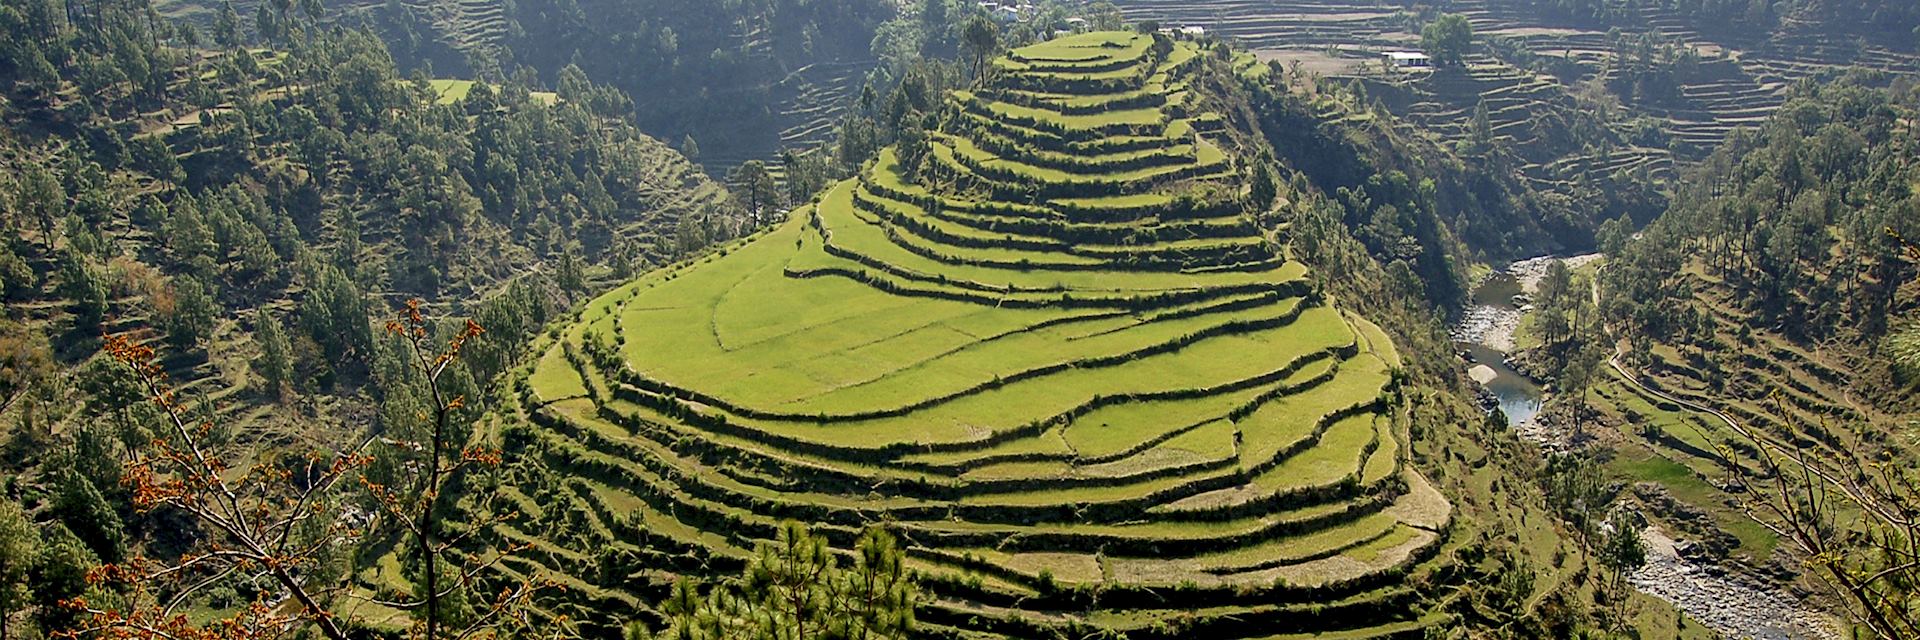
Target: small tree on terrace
<point>1622,553</point>
<point>982,38</point>
<point>754,185</point>
<point>1447,38</point>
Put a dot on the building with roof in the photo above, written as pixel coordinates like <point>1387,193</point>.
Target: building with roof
<point>1406,59</point>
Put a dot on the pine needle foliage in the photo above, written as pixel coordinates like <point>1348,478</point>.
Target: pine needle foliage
<point>794,589</point>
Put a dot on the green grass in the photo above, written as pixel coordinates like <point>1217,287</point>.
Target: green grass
<point>1336,456</point>
<point>449,91</point>
<point>1088,122</point>
<point>1087,47</point>
<point>1115,429</point>
<point>1278,424</point>
<point>1644,466</point>
<point>554,378</point>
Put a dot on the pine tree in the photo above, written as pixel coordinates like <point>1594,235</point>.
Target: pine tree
<point>59,575</point>
<point>1265,188</point>
<point>794,588</point>
<point>226,27</point>
<point>982,38</point>
<point>1482,127</point>
<point>567,273</point>
<point>690,148</point>
<point>79,504</point>
<point>40,193</point>
<point>192,314</point>
<point>754,186</point>
<point>275,365</point>
<point>82,285</point>
<point>19,547</point>
<point>1622,551</point>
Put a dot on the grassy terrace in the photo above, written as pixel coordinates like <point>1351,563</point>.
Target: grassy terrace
<point>1110,386</point>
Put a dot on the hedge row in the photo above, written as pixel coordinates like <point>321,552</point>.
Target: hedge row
<point>697,486</point>
<point>1150,258</point>
<point>1073,222</point>
<point>982,108</point>
<point>1092,65</point>
<point>1067,83</point>
<point>1157,156</point>
<point>1145,98</point>
<point>1007,297</point>
<point>1006,184</point>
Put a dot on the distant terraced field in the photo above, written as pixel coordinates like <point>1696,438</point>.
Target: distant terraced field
<point>1738,84</point>
<point>804,99</point>
<point>1057,359</point>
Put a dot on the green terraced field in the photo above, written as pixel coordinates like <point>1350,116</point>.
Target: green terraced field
<point>1743,76</point>
<point>1042,370</point>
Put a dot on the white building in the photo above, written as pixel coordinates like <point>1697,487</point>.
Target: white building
<point>1407,59</point>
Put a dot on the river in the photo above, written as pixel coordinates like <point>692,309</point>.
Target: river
<point>1485,334</point>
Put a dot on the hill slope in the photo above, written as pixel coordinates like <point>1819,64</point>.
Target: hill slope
<point>248,209</point>
<point>744,79</point>
<point>1047,346</point>
<point>1580,90</point>
<point>1768,293</point>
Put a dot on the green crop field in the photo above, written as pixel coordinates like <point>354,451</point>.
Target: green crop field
<point>1036,356</point>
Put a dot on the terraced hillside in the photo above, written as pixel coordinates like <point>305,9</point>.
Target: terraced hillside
<point>1784,389</point>
<point>1049,349</point>
<point>745,80</point>
<point>1741,75</point>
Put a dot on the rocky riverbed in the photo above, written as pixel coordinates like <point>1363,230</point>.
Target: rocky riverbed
<point>1488,325</point>
<point>1532,270</point>
<point>1491,321</point>
<point>1726,603</point>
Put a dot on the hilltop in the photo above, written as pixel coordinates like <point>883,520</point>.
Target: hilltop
<point>1045,345</point>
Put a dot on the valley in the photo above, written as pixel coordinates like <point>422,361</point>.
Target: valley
<point>1724,597</point>
<point>945,320</point>
<point>1543,69</point>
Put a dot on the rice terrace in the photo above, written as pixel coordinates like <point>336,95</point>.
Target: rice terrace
<point>1026,346</point>
<point>959,319</point>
